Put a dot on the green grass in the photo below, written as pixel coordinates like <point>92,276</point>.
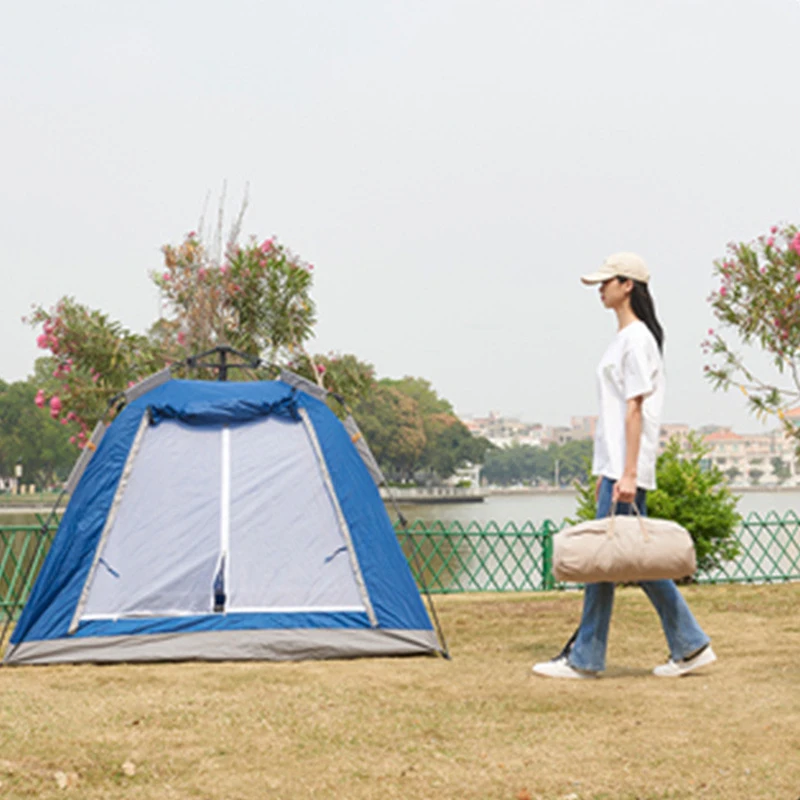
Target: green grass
<point>480,726</point>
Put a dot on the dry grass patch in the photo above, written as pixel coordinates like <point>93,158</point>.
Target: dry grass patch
<point>477,727</point>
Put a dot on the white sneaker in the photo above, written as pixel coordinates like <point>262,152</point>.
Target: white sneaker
<point>560,668</point>
<point>674,669</point>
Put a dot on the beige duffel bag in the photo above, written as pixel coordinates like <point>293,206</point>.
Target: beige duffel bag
<point>623,549</point>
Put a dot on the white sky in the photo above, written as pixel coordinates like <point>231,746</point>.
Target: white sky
<point>449,166</point>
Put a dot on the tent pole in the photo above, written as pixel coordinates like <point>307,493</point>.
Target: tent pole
<point>414,554</point>
<point>418,567</point>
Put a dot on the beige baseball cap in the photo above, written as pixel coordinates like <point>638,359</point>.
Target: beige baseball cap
<point>626,265</point>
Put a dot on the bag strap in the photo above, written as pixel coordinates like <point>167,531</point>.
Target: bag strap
<point>642,526</point>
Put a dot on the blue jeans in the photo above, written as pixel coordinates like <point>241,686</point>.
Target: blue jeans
<point>684,635</point>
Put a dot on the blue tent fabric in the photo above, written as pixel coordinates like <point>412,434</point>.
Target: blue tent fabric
<point>388,582</point>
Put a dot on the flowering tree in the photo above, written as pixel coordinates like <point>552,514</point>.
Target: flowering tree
<point>255,298</point>
<point>91,359</point>
<point>759,299</point>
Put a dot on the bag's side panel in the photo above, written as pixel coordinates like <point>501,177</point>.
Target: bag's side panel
<point>627,549</point>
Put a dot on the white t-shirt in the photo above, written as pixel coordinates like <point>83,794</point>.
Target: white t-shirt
<point>631,366</point>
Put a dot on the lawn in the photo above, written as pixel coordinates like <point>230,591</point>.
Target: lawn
<point>479,726</point>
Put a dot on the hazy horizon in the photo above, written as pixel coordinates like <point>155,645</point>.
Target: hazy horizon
<point>450,168</point>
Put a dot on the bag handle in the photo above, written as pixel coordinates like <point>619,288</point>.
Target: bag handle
<point>642,526</point>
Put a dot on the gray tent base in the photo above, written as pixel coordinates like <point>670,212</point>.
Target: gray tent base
<point>262,645</point>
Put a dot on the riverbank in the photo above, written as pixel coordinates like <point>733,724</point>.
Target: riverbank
<point>507,491</point>
<point>501,491</point>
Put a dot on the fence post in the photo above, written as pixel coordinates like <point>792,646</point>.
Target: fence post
<point>548,581</point>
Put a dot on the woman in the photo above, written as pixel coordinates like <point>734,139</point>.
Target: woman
<point>630,381</point>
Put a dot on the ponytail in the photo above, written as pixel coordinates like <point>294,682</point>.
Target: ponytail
<point>643,307</point>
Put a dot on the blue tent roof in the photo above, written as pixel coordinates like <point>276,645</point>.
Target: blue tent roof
<point>392,591</point>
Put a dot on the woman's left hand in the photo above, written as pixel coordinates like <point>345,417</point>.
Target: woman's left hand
<point>624,489</point>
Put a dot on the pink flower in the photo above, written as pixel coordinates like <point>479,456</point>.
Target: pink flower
<point>131,383</point>
<point>773,229</point>
<point>165,276</point>
<point>723,290</point>
<point>321,369</point>
<point>710,331</point>
<point>223,270</point>
<point>201,273</point>
<point>42,340</point>
<point>770,241</point>
<point>95,377</point>
<point>72,440</point>
<point>191,235</point>
<point>236,288</point>
<point>310,267</point>
<point>266,245</point>
<point>763,270</point>
<point>71,415</point>
<point>181,338</point>
<point>55,404</point>
<point>39,399</point>
<point>795,245</point>
<point>797,276</point>
<point>64,421</point>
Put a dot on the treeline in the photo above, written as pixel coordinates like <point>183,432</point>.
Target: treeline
<point>31,438</point>
<point>414,433</point>
<point>255,298</point>
<point>527,465</point>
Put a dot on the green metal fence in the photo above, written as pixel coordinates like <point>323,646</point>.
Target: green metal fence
<point>480,558</point>
<point>487,558</point>
<point>474,558</point>
<point>22,551</point>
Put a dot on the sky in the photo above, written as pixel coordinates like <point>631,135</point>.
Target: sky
<point>450,168</point>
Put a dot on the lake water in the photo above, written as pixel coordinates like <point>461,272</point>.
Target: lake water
<point>517,508</point>
<point>536,508</point>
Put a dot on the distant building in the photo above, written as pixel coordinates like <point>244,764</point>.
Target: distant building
<point>583,427</point>
<point>749,459</point>
<point>670,430</point>
<point>746,459</point>
<point>506,431</point>
<point>509,431</point>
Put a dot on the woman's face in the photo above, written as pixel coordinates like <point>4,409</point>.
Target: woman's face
<point>614,293</point>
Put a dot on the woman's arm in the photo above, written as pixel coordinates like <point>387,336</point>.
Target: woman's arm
<point>625,487</point>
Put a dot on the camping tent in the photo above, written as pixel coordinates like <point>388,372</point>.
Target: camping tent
<point>223,520</point>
